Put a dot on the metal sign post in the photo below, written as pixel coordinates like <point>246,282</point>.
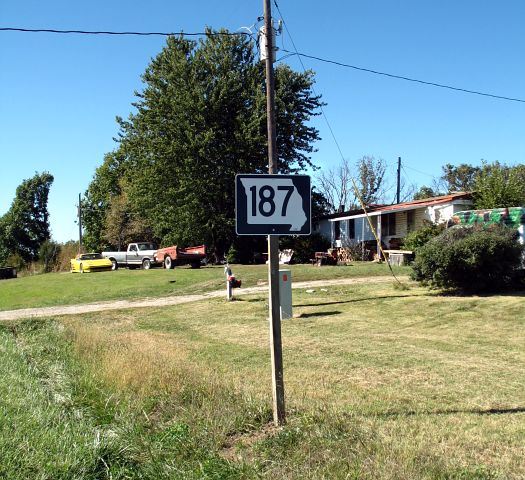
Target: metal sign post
<point>273,241</point>
<point>272,205</point>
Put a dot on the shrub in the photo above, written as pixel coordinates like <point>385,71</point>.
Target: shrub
<point>304,247</point>
<point>354,250</point>
<point>48,255</point>
<point>470,259</point>
<point>68,251</point>
<point>247,249</point>
<point>416,239</point>
<point>233,255</point>
<point>15,260</point>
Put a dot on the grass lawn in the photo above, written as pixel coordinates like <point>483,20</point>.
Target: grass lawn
<point>66,288</point>
<point>380,383</point>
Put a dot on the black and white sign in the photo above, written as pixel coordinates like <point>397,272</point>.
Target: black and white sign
<point>273,204</point>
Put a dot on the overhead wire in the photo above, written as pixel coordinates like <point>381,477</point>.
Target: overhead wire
<point>295,52</point>
<point>408,79</point>
<point>405,172</point>
<point>105,32</point>
<point>354,185</point>
<point>289,53</point>
<point>407,178</point>
<point>419,171</point>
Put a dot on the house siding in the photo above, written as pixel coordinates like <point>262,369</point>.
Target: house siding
<point>401,224</point>
<point>439,213</point>
<point>421,215</point>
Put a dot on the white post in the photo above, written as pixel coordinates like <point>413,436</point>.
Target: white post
<point>285,293</point>
<point>229,289</point>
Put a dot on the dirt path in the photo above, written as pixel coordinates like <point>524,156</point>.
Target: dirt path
<point>173,300</point>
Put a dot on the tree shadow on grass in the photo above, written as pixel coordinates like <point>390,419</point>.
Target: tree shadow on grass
<point>462,294</point>
<point>318,314</point>
<point>356,300</point>
<point>452,411</point>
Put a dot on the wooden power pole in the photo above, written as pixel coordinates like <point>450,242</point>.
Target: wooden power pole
<point>398,192</point>
<point>273,240</point>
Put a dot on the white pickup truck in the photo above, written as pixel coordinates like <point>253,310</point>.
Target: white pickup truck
<point>138,255</point>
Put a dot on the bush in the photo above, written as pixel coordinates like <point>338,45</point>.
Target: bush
<point>304,247</point>
<point>470,259</point>
<point>416,239</point>
<point>354,250</point>
<point>48,255</point>
<point>68,251</point>
<point>247,249</point>
<point>15,260</point>
<point>233,255</point>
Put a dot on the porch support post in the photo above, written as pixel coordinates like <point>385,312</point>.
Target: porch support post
<point>379,233</point>
<point>363,238</point>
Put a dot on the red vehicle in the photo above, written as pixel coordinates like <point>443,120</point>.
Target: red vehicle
<point>172,256</point>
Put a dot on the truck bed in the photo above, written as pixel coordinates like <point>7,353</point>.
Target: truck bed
<point>175,255</point>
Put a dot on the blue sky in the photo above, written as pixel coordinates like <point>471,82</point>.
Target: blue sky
<point>59,94</point>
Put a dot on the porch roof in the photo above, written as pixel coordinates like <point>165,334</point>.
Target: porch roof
<point>375,211</point>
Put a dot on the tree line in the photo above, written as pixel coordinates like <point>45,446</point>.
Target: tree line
<point>24,228</point>
<point>493,185</point>
<point>198,121</point>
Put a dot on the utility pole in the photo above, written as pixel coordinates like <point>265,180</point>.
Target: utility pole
<point>273,240</point>
<point>398,180</point>
<point>79,224</point>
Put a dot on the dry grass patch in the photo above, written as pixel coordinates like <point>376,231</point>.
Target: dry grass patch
<point>131,360</point>
<point>379,382</point>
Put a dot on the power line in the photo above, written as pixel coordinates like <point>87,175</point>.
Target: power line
<point>419,171</point>
<point>408,79</point>
<point>356,190</point>
<point>313,89</point>
<point>290,53</point>
<point>143,34</point>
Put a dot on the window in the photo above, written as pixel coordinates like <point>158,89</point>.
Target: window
<point>337,230</point>
<point>388,224</point>
<point>147,246</point>
<point>351,228</point>
<point>411,220</point>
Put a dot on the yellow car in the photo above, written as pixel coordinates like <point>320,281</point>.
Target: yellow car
<point>90,262</point>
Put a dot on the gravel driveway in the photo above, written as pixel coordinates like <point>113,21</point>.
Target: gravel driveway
<point>173,300</point>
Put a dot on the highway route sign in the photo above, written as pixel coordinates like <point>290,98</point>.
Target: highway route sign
<point>273,204</point>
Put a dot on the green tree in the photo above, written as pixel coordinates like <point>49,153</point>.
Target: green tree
<point>320,205</point>
<point>371,179</point>
<point>67,251</point>
<point>426,192</point>
<point>201,119</point>
<point>102,189</point>
<point>498,185</point>
<point>122,225</point>
<point>459,178</point>
<point>304,246</point>
<point>25,226</point>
